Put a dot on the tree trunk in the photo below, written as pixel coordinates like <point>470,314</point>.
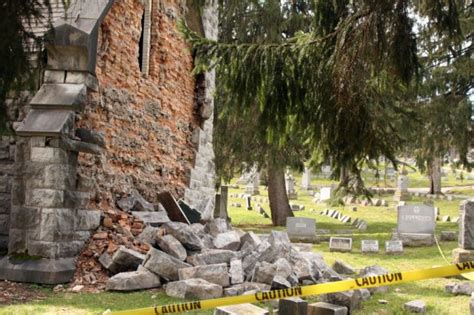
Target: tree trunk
<point>279,204</point>
<point>434,171</point>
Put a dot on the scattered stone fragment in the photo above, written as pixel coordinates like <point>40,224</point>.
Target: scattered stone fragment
<point>148,235</point>
<point>448,236</point>
<point>228,240</point>
<point>278,282</point>
<point>163,264</point>
<point>155,219</point>
<point>374,271</point>
<point>383,301</point>
<point>247,309</point>
<point>251,238</point>
<point>292,306</point>
<point>350,299</point>
<point>77,288</point>
<point>460,288</point>
<point>170,245</point>
<point>217,274</point>
<point>417,306</point>
<point>326,308</point>
<point>343,268</point>
<point>135,280</point>
<point>135,202</point>
<point>264,272</point>
<point>193,289</point>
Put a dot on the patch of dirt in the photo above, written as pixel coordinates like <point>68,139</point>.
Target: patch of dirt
<point>12,293</point>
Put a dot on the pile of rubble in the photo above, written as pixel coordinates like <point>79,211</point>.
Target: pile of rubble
<point>138,248</point>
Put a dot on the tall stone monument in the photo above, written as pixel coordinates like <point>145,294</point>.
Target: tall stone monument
<point>290,186</point>
<point>465,252</point>
<point>401,194</point>
<point>253,182</point>
<point>306,179</point>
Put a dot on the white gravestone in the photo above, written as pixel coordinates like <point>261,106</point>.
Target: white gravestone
<point>393,247</point>
<point>370,246</point>
<point>325,193</point>
<point>290,186</point>
<point>306,179</point>
<point>340,244</point>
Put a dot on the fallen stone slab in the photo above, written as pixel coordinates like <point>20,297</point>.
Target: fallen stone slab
<point>239,289</point>
<point>278,282</point>
<point>417,306</point>
<point>123,259</point>
<point>217,274</point>
<point>228,240</point>
<point>184,233</point>
<point>241,309</point>
<point>236,272</point>
<point>141,279</point>
<point>321,308</point>
<point>155,219</point>
<point>343,268</point>
<point>170,245</point>
<point>264,272</point>
<point>292,306</point>
<point>193,289</point>
<point>211,257</point>
<point>135,202</point>
<point>163,264</point>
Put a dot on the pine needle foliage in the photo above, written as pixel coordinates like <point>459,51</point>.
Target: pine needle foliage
<point>340,85</point>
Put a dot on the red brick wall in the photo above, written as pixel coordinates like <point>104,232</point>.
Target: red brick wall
<point>147,122</point>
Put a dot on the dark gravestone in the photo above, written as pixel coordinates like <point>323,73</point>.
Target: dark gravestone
<point>175,213</point>
<point>191,214</point>
<point>248,200</point>
<point>217,208</point>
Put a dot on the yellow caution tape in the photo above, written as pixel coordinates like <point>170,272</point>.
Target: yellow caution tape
<point>330,287</point>
<point>468,276</point>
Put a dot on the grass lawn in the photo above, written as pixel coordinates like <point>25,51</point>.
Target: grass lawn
<point>381,221</point>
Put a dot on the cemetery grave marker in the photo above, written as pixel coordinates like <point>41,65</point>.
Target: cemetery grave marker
<point>369,246</point>
<point>340,244</point>
<point>301,229</point>
<point>416,225</point>
<point>393,247</point>
<point>325,193</point>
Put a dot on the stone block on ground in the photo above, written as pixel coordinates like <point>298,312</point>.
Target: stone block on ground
<point>417,306</point>
<point>461,288</point>
<point>350,299</point>
<point>135,202</point>
<point>292,306</point>
<point>228,240</point>
<point>170,245</point>
<point>241,309</point>
<point>264,272</point>
<point>251,238</point>
<point>448,236</point>
<point>163,264</point>
<point>343,268</point>
<point>217,274</point>
<point>241,288</point>
<point>193,289</point>
<point>141,279</point>
<point>148,235</point>
<point>461,255</point>
<point>323,308</point>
